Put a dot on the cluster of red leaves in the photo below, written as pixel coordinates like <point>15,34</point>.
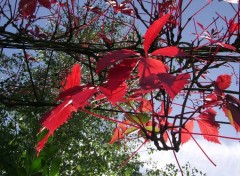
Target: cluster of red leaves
<point>28,7</point>
<point>152,74</point>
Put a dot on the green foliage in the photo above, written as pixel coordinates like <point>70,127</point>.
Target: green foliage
<point>172,170</point>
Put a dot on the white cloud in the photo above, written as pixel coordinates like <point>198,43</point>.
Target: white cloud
<point>226,156</point>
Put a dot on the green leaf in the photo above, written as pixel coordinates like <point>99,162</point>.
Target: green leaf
<point>51,150</point>
<point>130,130</point>
<point>54,168</point>
<point>139,119</point>
<point>36,165</point>
<point>150,128</point>
<point>42,134</point>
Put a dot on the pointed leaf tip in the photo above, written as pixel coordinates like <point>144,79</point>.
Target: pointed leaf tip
<point>186,132</point>
<point>73,78</point>
<point>153,31</point>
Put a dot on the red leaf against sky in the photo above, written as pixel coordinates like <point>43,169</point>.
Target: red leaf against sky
<point>113,57</point>
<point>223,81</point>
<point>153,31</point>
<point>227,46</point>
<point>173,84</point>
<point>185,136</point>
<point>212,100</point>
<point>74,77</point>
<point>208,125</point>
<point>27,7</point>
<point>171,51</point>
<point>116,95</point>
<point>119,73</point>
<point>233,27</point>
<point>45,3</point>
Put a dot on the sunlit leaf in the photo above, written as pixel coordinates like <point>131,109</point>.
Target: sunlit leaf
<point>208,125</point>
<point>173,84</point>
<point>117,135</point>
<point>139,118</point>
<point>150,128</point>
<point>153,31</point>
<point>116,95</point>
<point>149,66</point>
<point>130,130</point>
<point>80,99</point>
<point>112,57</point>
<point>185,135</point>
<point>73,78</point>
<point>171,51</point>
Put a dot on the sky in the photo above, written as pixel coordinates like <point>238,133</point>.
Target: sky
<point>227,155</point>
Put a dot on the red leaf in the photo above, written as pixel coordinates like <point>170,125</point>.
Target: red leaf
<point>119,73</point>
<point>185,136</point>
<point>162,112</point>
<point>58,116</point>
<point>149,67</point>
<point>173,84</point>
<point>233,27</point>
<point>208,125</point>
<point>117,135</point>
<point>148,70</point>
<point>27,7</point>
<point>116,95</point>
<point>223,81</point>
<point>70,92</point>
<point>201,26</point>
<point>153,31</point>
<point>45,3</point>
<point>171,51</point>
<point>145,106</point>
<point>74,77</point>
<point>212,100</point>
<point>113,57</point>
<point>227,46</point>
<point>42,143</point>
<point>79,100</point>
